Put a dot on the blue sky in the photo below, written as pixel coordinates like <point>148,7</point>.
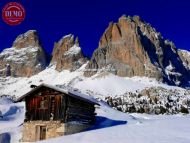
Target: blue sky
<point>88,19</point>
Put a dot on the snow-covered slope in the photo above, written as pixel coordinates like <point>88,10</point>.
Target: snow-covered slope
<point>136,94</point>
<point>100,84</point>
<point>111,85</point>
<point>117,127</point>
<point>19,86</point>
<point>111,127</point>
<point>11,123</point>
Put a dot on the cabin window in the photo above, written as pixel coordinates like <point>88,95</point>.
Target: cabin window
<point>44,103</point>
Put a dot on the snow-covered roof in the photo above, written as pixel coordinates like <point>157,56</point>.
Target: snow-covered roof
<point>69,93</point>
<point>83,97</point>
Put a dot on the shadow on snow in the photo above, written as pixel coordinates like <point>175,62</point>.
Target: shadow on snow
<point>5,138</point>
<point>12,111</point>
<point>103,122</point>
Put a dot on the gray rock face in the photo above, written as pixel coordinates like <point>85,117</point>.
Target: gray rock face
<point>185,57</point>
<point>28,39</point>
<point>67,54</point>
<point>131,47</point>
<point>25,58</point>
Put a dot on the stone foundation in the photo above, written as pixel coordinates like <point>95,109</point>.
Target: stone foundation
<point>32,131</point>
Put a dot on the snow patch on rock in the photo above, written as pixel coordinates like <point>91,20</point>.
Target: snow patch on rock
<point>18,55</point>
<point>74,50</point>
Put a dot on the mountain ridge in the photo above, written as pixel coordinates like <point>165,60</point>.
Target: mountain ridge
<point>129,47</point>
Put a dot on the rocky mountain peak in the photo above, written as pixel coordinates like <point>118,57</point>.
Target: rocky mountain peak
<point>25,58</point>
<point>67,53</point>
<point>132,47</point>
<point>30,38</point>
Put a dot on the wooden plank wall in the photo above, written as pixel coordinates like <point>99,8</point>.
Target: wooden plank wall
<point>58,106</point>
<point>53,106</point>
<point>79,110</point>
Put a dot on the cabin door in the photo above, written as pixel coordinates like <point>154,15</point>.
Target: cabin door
<point>40,132</point>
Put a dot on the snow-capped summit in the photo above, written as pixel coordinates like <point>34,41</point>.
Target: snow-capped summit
<point>67,54</point>
<point>25,58</point>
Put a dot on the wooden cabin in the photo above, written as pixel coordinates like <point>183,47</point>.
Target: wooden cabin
<point>53,112</point>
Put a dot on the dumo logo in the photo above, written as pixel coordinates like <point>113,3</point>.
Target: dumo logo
<point>13,13</point>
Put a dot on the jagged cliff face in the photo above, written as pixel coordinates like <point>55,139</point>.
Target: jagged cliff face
<point>25,58</point>
<point>67,54</point>
<point>28,39</point>
<point>132,47</point>
<point>185,57</point>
